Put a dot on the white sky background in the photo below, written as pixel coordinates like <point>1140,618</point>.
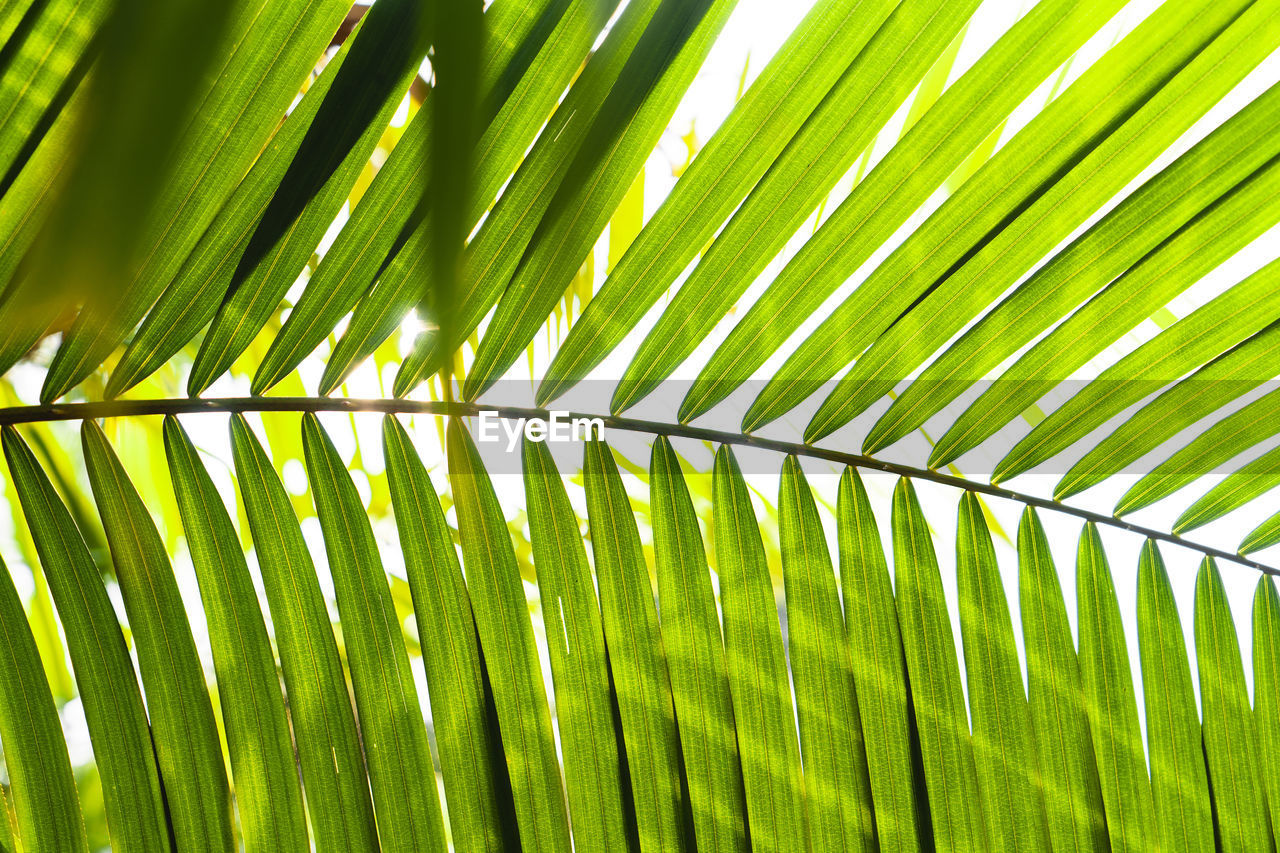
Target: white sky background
<point>753,34</point>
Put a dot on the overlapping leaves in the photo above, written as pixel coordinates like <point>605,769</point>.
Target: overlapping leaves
<point>685,731</point>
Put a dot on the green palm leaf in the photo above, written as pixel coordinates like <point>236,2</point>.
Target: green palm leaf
<point>757,669</point>
<point>394,734</point>
<point>1003,742</point>
<point>337,790</point>
<point>647,92</point>
<point>186,737</point>
<point>1179,786</point>
<point>1040,234</point>
<point>1069,776</point>
<point>636,658</point>
<point>1110,705</point>
<point>1266,681</point>
<point>771,112</point>
<point>268,797</point>
<point>104,673</point>
<point>579,663</point>
<point>470,752</point>
<point>946,745</point>
<point>506,638</point>
<point>695,659</point>
<point>44,793</point>
<point>1230,742</point>
<point>837,785</point>
<point>879,669</point>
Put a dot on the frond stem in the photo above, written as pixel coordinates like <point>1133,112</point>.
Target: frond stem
<point>225,405</point>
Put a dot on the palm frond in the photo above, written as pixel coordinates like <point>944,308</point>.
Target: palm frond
<point>919,219</point>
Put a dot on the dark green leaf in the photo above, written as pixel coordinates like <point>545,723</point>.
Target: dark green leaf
<point>499,245</point>
<point>629,123</point>
<point>270,48</point>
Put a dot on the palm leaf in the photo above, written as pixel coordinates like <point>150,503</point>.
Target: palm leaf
<point>576,646</point>
<point>945,742</point>
<point>1069,776</point>
<point>329,752</point>
<point>44,793</point>
<point>1179,786</point>
<point>879,669</point>
<point>469,752</point>
<point>691,636</point>
<point>1040,236</point>
<point>1003,741</point>
<point>391,724</point>
<point>636,658</point>
<point>756,664</point>
<point>186,737</point>
<point>268,796</point>
<point>1110,704</point>
<point>1230,743</point>
<point>837,786</point>
<point>506,638</point>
